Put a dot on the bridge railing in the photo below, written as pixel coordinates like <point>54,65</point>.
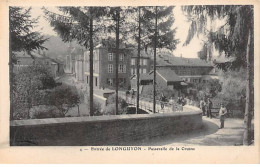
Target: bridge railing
<point>161,107</point>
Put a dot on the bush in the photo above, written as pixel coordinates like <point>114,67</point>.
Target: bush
<point>44,111</point>
<point>96,105</point>
<point>29,85</point>
<point>64,98</point>
<point>111,109</point>
<point>121,102</point>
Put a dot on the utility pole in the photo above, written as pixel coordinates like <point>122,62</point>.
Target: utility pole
<point>154,63</point>
<point>117,55</point>
<point>138,60</point>
<point>91,100</point>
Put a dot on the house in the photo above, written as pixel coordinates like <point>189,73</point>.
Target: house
<point>104,72</point>
<point>190,70</point>
<point>79,65</point>
<point>145,63</point>
<point>165,79</point>
<point>25,59</point>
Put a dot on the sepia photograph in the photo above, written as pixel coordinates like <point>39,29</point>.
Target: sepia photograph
<point>132,78</point>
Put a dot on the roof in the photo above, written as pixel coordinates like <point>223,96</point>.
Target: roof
<point>146,76</point>
<point>168,75</point>
<point>143,54</point>
<point>22,54</point>
<point>166,60</point>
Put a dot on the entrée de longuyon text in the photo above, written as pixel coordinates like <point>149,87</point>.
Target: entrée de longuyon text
<point>141,149</point>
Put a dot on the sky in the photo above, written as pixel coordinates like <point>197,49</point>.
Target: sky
<point>180,23</point>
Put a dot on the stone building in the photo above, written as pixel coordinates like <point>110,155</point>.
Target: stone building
<point>145,63</point>
<point>190,70</point>
<point>26,59</point>
<point>104,71</point>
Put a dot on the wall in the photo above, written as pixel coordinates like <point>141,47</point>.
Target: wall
<point>102,130</point>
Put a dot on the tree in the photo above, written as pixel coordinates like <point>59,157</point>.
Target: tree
<point>64,98</point>
<point>77,24</point>
<point>156,33</point>
<point>22,38</point>
<point>28,83</point>
<point>239,23</point>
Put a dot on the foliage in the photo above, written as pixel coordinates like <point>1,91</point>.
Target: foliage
<point>29,84</point>
<point>110,109</point>
<point>210,88</point>
<point>22,38</point>
<point>122,104</point>
<point>239,21</point>
<point>203,53</point>
<point>148,92</point>
<point>64,98</point>
<point>166,35</point>
<point>233,85</point>
<point>44,111</point>
<point>76,23</point>
<point>96,105</point>
<point>235,38</point>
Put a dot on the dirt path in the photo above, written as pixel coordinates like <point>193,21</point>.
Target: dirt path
<point>209,135</point>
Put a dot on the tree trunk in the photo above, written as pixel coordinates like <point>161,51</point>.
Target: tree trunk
<point>138,62</point>
<point>117,55</point>
<point>248,115</point>
<point>91,100</point>
<point>78,111</point>
<point>154,63</point>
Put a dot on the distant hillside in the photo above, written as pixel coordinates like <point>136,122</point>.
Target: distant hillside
<point>57,48</point>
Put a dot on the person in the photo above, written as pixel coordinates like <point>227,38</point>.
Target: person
<point>222,113</point>
<point>179,100</point>
<point>171,101</point>
<point>209,107</point>
<point>162,100</point>
<point>132,93</point>
<point>202,106</point>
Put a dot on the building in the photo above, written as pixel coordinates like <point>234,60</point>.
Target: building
<point>25,59</point>
<point>190,70</point>
<point>165,80</point>
<point>79,66</point>
<point>145,63</point>
<point>104,71</point>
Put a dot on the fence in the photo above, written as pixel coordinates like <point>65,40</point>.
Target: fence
<point>161,107</point>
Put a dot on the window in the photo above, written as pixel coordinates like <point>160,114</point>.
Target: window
<point>145,62</point>
<point>96,81</point>
<point>140,70</point>
<point>121,68</point>
<point>132,61</point>
<point>110,68</point>
<point>87,79</point>
<point>141,62</point>
<point>110,56</point>
<point>144,70</point>
<point>121,57</point>
<point>124,68</point>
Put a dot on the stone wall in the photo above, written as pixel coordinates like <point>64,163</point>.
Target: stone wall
<point>101,130</point>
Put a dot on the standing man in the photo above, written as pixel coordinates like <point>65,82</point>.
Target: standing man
<point>209,107</point>
<point>202,106</point>
<point>163,99</point>
<point>222,113</point>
